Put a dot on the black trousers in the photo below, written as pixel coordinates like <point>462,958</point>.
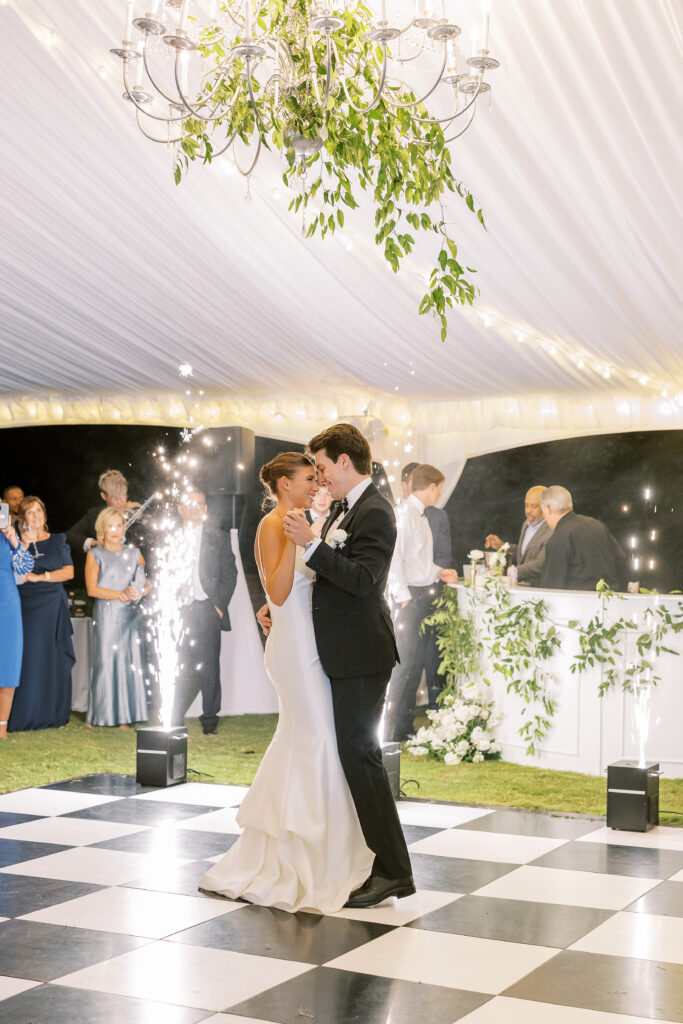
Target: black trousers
<point>413,647</point>
<point>200,658</point>
<point>358,704</point>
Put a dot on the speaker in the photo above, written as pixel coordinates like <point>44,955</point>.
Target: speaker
<point>227,463</point>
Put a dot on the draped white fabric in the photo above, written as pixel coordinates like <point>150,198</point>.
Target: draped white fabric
<point>110,275</point>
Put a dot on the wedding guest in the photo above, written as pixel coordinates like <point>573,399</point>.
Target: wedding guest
<point>210,586</point>
<point>581,551</point>
<point>113,488</point>
<point>528,555</point>
<point>414,574</point>
<point>406,474</point>
<point>43,699</point>
<point>14,496</point>
<point>14,559</point>
<point>115,577</point>
<point>317,514</point>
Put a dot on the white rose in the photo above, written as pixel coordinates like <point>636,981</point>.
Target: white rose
<point>483,743</point>
<point>475,556</point>
<point>462,713</point>
<point>484,713</point>
<point>337,538</point>
<point>478,757</point>
<point>418,751</point>
<point>451,758</point>
<point>462,747</point>
<point>476,733</point>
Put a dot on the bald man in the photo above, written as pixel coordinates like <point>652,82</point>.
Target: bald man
<point>529,553</point>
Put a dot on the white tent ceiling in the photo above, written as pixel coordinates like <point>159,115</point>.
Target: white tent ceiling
<point>111,276</point>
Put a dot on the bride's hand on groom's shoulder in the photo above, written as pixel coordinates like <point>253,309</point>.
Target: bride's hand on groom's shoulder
<point>263,619</point>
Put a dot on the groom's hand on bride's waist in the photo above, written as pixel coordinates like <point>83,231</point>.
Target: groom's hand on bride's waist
<point>263,619</point>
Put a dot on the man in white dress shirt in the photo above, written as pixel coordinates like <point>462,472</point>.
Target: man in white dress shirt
<point>528,555</point>
<point>412,586</point>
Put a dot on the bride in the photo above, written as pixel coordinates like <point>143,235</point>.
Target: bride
<point>301,847</point>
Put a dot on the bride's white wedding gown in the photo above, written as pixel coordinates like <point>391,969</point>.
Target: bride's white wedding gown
<point>301,847</point>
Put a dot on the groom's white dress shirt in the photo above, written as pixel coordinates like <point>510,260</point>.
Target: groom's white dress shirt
<point>413,562</point>
<point>351,498</point>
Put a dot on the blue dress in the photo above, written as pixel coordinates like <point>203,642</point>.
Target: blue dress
<point>11,634</point>
<point>117,689</point>
<point>43,700</point>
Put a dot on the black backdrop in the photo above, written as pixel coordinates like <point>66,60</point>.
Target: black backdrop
<point>604,473</point>
<point>607,475</point>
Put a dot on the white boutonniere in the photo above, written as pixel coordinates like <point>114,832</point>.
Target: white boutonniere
<point>337,538</point>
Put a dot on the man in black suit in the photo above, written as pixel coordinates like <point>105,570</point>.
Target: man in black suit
<point>581,550</point>
<point>14,496</point>
<point>355,640</point>
<point>528,555</point>
<point>82,535</point>
<point>206,597</point>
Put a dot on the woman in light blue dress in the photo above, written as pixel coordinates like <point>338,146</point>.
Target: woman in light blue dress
<point>115,577</point>
<point>14,558</point>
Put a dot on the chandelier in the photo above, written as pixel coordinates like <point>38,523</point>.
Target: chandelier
<point>368,97</point>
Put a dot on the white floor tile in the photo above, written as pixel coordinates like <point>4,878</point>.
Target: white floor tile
<point>211,979</point>
<point>660,838</point>
<point>13,986</point>
<point>570,888</point>
<point>399,912</point>
<point>494,846</point>
<point>215,821</point>
<point>437,815</point>
<point>87,864</point>
<point>50,801</point>
<point>142,912</point>
<point>201,793</point>
<point>503,1010</point>
<point>643,936</point>
<point>678,877</point>
<point>69,831</point>
<point>435,958</point>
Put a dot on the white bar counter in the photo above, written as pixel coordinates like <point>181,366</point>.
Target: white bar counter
<point>588,732</point>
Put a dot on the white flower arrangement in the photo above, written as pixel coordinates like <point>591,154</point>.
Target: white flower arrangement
<point>457,732</point>
<point>337,538</point>
<point>475,555</point>
<point>500,556</point>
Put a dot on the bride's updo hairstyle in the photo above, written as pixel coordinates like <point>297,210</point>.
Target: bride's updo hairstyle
<point>284,464</point>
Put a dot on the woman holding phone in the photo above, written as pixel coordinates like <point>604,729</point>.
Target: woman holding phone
<point>14,558</point>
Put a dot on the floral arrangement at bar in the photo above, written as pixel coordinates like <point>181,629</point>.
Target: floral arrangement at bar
<point>459,732</point>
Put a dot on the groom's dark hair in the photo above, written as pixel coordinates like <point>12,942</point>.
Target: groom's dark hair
<point>344,439</point>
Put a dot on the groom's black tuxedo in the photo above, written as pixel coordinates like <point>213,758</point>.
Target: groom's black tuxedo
<point>352,622</point>
<point>355,640</point>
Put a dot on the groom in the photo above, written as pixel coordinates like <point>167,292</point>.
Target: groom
<point>355,641</point>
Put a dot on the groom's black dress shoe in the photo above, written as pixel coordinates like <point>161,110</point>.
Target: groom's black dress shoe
<point>377,889</point>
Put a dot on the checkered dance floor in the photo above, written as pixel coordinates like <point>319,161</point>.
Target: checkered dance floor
<point>519,917</point>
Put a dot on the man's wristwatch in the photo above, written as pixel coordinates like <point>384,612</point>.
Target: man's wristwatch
<point>47,576</point>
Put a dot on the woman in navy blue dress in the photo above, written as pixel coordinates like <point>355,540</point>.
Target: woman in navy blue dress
<point>14,558</point>
<point>43,699</point>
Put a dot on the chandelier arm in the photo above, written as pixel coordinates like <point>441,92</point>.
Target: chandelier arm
<point>378,96</point>
<point>462,130</point>
<point>209,117</point>
<point>153,138</point>
<point>253,163</point>
<point>228,144</point>
<point>169,99</point>
<point>458,113</point>
<point>422,142</point>
<point>155,117</point>
<point>322,103</point>
<point>253,103</point>
<point>416,103</point>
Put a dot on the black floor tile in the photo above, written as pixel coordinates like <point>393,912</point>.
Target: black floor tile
<point>455,874</point>
<point>53,1004</point>
<point>16,851</point>
<point>533,823</point>
<point>665,900</point>
<point>103,784</point>
<point>343,997</point>
<point>10,818</point>
<point>610,859</point>
<point>535,924</point>
<point>22,894</point>
<point>140,812</point>
<point>264,931</point>
<point>413,833</point>
<point>181,880</point>
<point>43,952</point>
<point>180,843</point>
<point>613,984</point>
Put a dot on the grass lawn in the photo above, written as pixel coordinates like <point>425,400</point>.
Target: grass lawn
<point>37,758</point>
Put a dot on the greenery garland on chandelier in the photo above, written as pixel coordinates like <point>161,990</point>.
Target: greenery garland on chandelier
<point>391,153</point>
<point>518,639</point>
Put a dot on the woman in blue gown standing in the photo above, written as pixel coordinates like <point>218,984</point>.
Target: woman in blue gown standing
<point>14,558</point>
<point>115,577</point>
<point>43,699</point>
